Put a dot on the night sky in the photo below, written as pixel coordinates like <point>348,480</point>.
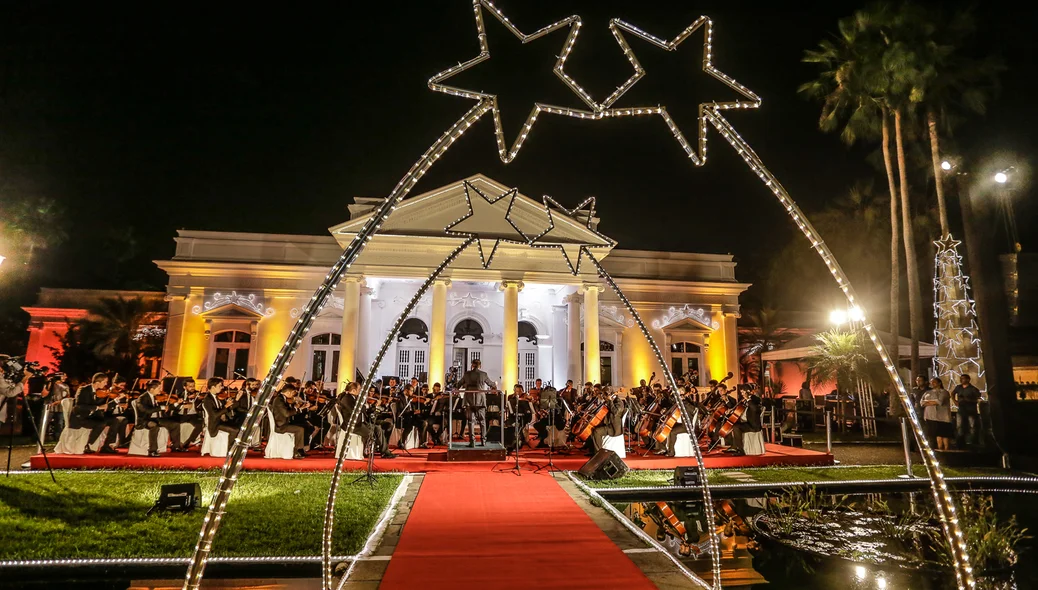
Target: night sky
<point>143,118</point>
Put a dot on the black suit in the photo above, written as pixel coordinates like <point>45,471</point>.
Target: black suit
<point>473,382</point>
<point>214,409</point>
<point>151,416</point>
<point>612,425</point>
<point>345,404</point>
<point>87,413</point>
<point>752,423</point>
<point>283,415</point>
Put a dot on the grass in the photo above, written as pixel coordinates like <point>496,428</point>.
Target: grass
<point>655,478</point>
<point>101,515</point>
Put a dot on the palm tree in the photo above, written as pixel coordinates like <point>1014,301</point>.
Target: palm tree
<point>765,334</point>
<point>851,87</point>
<point>114,331</point>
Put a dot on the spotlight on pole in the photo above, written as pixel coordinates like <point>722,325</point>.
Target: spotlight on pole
<point>1001,177</point>
<point>838,317</point>
<point>946,165</point>
<point>855,314</point>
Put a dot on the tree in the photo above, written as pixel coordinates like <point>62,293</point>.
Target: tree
<point>838,357</point>
<point>118,333</point>
<point>765,334</point>
<point>851,87</point>
<point>32,223</point>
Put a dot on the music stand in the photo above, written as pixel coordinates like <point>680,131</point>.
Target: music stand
<point>369,473</point>
<point>504,407</point>
<point>549,401</point>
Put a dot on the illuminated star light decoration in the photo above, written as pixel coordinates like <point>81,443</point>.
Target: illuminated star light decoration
<point>712,113</point>
<point>571,251</point>
<point>956,333</point>
<point>485,103</point>
<point>507,154</point>
<point>486,241</point>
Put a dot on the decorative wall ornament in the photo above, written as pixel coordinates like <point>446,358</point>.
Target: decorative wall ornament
<point>149,332</point>
<point>425,300</point>
<point>613,312</point>
<point>469,300</point>
<point>249,302</point>
<point>676,314</point>
<point>333,302</point>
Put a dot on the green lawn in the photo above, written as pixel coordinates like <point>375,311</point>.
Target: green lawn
<point>654,478</point>
<point>93,515</point>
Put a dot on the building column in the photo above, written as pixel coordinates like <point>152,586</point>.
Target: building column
<point>350,330</point>
<point>592,354</point>
<point>362,357</point>
<point>731,345</point>
<point>573,368</point>
<point>510,337</point>
<point>438,331</point>
<point>559,355</point>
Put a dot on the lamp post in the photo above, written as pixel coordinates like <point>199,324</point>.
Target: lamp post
<point>989,293</point>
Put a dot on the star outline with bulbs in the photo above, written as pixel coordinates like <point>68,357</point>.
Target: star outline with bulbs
<point>505,153</point>
<point>581,248</point>
<point>509,194</point>
<point>707,110</point>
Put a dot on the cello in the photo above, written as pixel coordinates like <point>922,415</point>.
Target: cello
<point>591,418</point>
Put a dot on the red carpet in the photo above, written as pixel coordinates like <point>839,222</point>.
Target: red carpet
<point>425,461</point>
<point>496,530</point>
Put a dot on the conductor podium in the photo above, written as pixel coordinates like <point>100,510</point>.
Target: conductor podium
<point>493,448</point>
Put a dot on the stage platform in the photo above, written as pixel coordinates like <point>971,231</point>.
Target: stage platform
<point>430,461</point>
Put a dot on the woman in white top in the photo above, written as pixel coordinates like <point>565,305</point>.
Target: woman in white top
<point>936,404</point>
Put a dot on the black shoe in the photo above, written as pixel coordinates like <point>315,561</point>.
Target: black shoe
<point>472,444</point>
<point>423,446</point>
<point>107,450</point>
<point>301,454</point>
<point>542,445</point>
<point>154,454</point>
<point>89,451</point>
<point>388,455</point>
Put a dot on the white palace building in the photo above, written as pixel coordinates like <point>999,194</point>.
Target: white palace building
<point>234,297</point>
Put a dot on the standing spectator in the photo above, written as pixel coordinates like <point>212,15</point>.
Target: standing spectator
<point>918,390</point>
<point>57,390</point>
<point>936,403</point>
<point>967,397</point>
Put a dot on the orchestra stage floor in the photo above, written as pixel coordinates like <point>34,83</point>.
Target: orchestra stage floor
<point>430,461</point>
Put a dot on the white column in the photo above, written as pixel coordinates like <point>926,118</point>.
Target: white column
<point>510,337</point>
<point>731,345</point>
<point>350,330</point>
<point>438,330</point>
<point>364,354</point>
<point>559,352</point>
<point>574,368</point>
<point>592,355</point>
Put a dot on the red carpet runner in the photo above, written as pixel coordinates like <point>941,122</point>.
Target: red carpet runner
<point>496,530</point>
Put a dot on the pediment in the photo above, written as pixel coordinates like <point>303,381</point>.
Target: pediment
<point>231,311</point>
<point>433,212</point>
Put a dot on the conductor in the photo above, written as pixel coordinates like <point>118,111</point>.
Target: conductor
<point>474,383</point>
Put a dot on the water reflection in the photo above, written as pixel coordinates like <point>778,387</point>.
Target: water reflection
<point>855,542</point>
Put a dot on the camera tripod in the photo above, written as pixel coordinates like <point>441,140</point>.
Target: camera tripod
<point>13,405</point>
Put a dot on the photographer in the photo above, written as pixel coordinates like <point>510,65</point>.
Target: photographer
<point>57,389</point>
<point>14,373</point>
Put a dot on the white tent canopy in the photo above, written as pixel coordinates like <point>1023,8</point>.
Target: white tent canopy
<point>803,347</point>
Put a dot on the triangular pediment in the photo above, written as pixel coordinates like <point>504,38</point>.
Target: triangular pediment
<point>438,213</point>
<point>231,311</point>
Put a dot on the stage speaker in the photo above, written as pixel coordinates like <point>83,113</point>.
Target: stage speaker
<point>604,465</point>
<point>686,476</point>
<point>181,497</point>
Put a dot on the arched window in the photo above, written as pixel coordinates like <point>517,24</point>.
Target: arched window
<point>412,349</point>
<point>527,355</point>
<point>684,358</point>
<point>229,358</point>
<point>324,357</point>
<point>468,343</point>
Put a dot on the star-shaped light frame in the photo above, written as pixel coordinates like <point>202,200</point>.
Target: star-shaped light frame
<point>485,258</point>
<point>697,154</point>
<point>552,208</point>
<point>504,152</point>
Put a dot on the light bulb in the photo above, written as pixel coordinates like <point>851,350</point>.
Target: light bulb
<point>946,165</point>
<point>1001,178</point>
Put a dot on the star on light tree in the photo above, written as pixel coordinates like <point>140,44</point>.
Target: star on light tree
<point>573,22</point>
<point>697,154</point>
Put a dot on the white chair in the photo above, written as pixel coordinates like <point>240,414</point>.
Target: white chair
<point>355,449</point>
<point>683,445</point>
<point>139,442</point>
<point>214,446</point>
<point>616,443</point>
<point>73,441</point>
<point>280,445</point>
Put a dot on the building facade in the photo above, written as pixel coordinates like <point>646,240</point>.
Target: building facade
<point>525,312</point>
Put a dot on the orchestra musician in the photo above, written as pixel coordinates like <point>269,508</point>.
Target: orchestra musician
<point>346,402</point>
<point>475,383</point>
<point>216,409</point>
<point>749,422</point>
<point>89,412</point>
<point>283,407</point>
<point>439,414</point>
<point>119,413</point>
<point>611,426</point>
<point>569,394</point>
<point>385,412</point>
<point>151,416</point>
<point>186,411</point>
<point>418,416</point>
<point>535,391</point>
<point>680,427</point>
<point>556,418</point>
